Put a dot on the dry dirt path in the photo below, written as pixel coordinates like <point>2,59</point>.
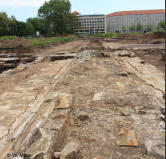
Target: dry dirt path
<point>111,106</point>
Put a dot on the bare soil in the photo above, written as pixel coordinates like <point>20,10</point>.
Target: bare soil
<point>154,57</point>
<point>106,96</point>
<point>7,43</point>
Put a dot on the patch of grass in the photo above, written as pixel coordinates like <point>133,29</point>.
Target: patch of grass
<point>109,35</point>
<point>39,42</point>
<point>134,33</point>
<point>5,47</point>
<point>8,37</point>
<point>158,31</point>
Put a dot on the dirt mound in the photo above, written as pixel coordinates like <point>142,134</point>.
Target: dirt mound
<point>157,35</point>
<point>10,43</point>
<point>17,49</point>
<point>155,57</point>
<point>18,45</point>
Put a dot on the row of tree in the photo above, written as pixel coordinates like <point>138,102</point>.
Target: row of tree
<point>139,27</point>
<point>11,26</point>
<point>54,17</point>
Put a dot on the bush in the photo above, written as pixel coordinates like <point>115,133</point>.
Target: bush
<point>132,28</point>
<point>149,28</point>
<point>140,27</point>
<point>124,29</point>
<point>158,31</point>
<point>161,25</point>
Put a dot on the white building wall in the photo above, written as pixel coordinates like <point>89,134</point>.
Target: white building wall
<point>115,23</point>
<point>92,24</point>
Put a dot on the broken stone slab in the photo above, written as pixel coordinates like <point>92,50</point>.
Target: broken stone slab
<point>148,146</point>
<point>62,53</point>
<point>140,110</point>
<point>57,155</point>
<point>33,136</point>
<point>162,110</point>
<point>39,58</point>
<point>159,151</point>
<point>2,63</point>
<point>64,101</point>
<point>10,60</point>
<point>70,151</point>
<point>121,132</point>
<point>58,57</point>
<point>62,57</point>
<point>10,65</point>
<point>124,53</point>
<point>27,60</point>
<point>21,67</point>
<point>98,96</point>
<point>124,111</point>
<point>24,55</point>
<point>124,74</point>
<point>107,47</point>
<point>7,66</point>
<point>12,55</point>
<point>83,116</point>
<point>155,150</point>
<point>3,55</point>
<point>105,53</point>
<point>162,117</point>
<point>121,86</point>
<point>128,139</point>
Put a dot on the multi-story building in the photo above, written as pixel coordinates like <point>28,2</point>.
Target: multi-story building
<point>119,21</point>
<point>122,21</point>
<point>91,24</point>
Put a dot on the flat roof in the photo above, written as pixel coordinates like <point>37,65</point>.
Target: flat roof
<point>137,12</point>
<point>91,15</point>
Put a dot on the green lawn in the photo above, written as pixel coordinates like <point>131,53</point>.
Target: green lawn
<point>109,35</point>
<point>7,37</point>
<point>39,42</point>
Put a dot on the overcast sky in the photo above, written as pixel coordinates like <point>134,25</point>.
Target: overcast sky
<point>23,9</point>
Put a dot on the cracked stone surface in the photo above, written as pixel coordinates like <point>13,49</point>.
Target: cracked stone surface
<point>109,105</point>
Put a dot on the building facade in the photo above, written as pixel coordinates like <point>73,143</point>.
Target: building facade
<point>91,24</point>
<point>122,21</point>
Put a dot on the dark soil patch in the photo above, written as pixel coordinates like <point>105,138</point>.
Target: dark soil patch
<point>155,57</point>
<point>17,49</point>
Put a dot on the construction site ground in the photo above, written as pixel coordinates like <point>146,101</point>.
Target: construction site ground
<point>106,96</point>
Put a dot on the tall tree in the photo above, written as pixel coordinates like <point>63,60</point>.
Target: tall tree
<point>21,28</point>
<point>55,13</point>
<point>29,29</point>
<point>4,24</point>
<point>12,26</point>
<point>38,24</point>
<point>73,23</point>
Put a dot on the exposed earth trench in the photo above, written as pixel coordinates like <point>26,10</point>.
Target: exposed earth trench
<point>82,100</point>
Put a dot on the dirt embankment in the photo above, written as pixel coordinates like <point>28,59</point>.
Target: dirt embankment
<point>154,57</point>
<point>156,38</point>
<point>157,35</point>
